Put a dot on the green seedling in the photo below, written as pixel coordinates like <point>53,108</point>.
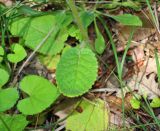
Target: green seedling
<point>19,53</point>
<point>155,102</point>
<point>41,94</point>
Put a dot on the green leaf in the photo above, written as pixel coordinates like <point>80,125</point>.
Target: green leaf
<point>50,61</point>
<point>14,122</point>
<point>1,53</point>
<point>86,116</point>
<point>4,76</point>
<point>155,102</point>
<point>19,53</point>
<point>99,42</point>
<point>87,18</point>
<point>41,94</point>
<point>76,71</point>
<point>127,19</point>
<point>8,98</point>
<point>134,5</point>
<point>74,31</point>
<point>26,10</point>
<point>35,29</point>
<point>135,103</point>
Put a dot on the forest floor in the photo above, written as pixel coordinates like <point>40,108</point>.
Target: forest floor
<point>122,76</point>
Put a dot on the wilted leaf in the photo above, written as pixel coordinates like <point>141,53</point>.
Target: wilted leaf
<point>50,61</point>
<point>86,116</point>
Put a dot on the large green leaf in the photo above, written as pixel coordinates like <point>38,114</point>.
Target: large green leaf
<point>76,71</point>
<point>41,94</point>
<point>14,122</point>
<point>88,116</point>
<point>8,98</point>
<point>4,76</point>
<point>35,29</point>
<point>127,19</point>
<point>19,53</point>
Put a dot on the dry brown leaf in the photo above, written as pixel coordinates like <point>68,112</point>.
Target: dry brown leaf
<point>143,85</point>
<point>7,2</point>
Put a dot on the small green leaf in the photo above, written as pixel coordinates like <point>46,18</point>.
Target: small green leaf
<point>155,102</point>
<point>134,5</point>
<point>127,19</point>
<point>1,53</point>
<point>99,42</point>
<point>86,116</point>
<point>74,31</point>
<point>135,103</point>
<point>4,76</point>
<point>8,98</point>
<point>41,94</point>
<point>76,71</point>
<point>19,53</point>
<point>14,122</point>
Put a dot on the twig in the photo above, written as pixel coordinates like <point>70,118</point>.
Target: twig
<point>104,90</point>
<point>60,128</point>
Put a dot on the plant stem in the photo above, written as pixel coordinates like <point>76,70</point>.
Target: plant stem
<point>79,22</point>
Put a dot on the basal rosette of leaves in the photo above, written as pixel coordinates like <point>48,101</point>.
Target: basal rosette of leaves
<point>76,72</point>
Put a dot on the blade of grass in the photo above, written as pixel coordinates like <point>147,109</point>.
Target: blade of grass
<point>150,111</point>
<point>152,14</point>
<point>158,65</point>
<point>117,63</point>
<point>72,5</point>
